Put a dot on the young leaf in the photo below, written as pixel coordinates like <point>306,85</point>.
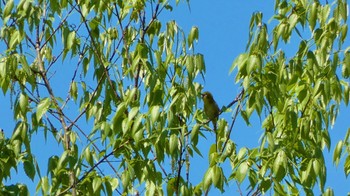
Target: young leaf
<point>42,108</point>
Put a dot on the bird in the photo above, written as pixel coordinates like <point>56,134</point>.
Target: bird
<point>211,108</point>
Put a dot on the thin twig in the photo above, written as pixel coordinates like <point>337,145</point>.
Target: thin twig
<point>90,170</point>
<point>238,109</point>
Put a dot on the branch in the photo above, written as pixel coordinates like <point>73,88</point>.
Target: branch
<point>144,28</point>
<point>43,73</point>
<point>238,98</point>
<point>92,169</point>
<point>161,167</point>
<point>58,27</point>
<point>180,160</point>
<point>97,51</point>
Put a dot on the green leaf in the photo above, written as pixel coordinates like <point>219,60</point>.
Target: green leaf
<point>218,178</point>
<point>74,91</point>
<point>70,40</point>
<point>62,160</point>
<point>137,133</point>
<point>279,166</point>
<point>172,186</point>
<point>197,150</point>
<point>337,152</point>
<point>199,62</point>
<point>194,134</point>
<point>313,15</point>
<point>293,19</point>
<point>253,64</point>
<point>328,192</point>
<point>8,9</point>
<point>155,111</point>
<point>96,184</point>
<point>347,135</point>
<point>107,185</point>
<point>208,179</point>
<point>346,65</point>
<point>142,50</point>
<point>23,103</point>
<point>169,7</point>
<point>114,183</point>
<point>44,182</point>
<point>324,13</point>
<point>240,61</point>
<point>190,64</point>
<point>241,172</point>
<point>242,153</point>
<point>119,117</point>
<point>133,112</point>
<point>316,165</point>
<point>344,31</point>
<point>52,164</point>
<point>279,189</point>
<point>266,184</point>
<point>42,108</point>
<point>193,36</point>
<point>347,166</point>
<point>213,155</point>
<point>88,156</point>
<point>29,169</point>
<point>14,39</point>
<point>173,143</point>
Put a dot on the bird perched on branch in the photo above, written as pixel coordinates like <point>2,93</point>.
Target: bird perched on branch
<point>211,108</point>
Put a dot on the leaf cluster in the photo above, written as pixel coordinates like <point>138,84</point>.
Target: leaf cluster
<point>297,93</point>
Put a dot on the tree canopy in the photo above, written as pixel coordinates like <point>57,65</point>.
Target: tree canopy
<point>117,89</point>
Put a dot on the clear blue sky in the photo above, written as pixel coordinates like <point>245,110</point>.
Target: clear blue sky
<point>223,34</point>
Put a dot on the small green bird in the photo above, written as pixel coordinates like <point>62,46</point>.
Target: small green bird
<point>211,108</point>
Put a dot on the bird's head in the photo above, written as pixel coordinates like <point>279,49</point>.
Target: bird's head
<point>207,96</point>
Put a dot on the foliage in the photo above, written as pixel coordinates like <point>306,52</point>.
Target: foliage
<point>298,95</point>
<point>133,79</point>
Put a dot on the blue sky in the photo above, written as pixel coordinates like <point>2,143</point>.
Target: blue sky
<point>223,34</point>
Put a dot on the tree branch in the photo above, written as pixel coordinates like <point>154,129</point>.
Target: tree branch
<point>238,98</point>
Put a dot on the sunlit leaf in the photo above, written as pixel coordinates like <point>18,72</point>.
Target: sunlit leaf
<point>173,143</point>
<point>337,152</point>
<point>241,172</point>
<point>42,108</point>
